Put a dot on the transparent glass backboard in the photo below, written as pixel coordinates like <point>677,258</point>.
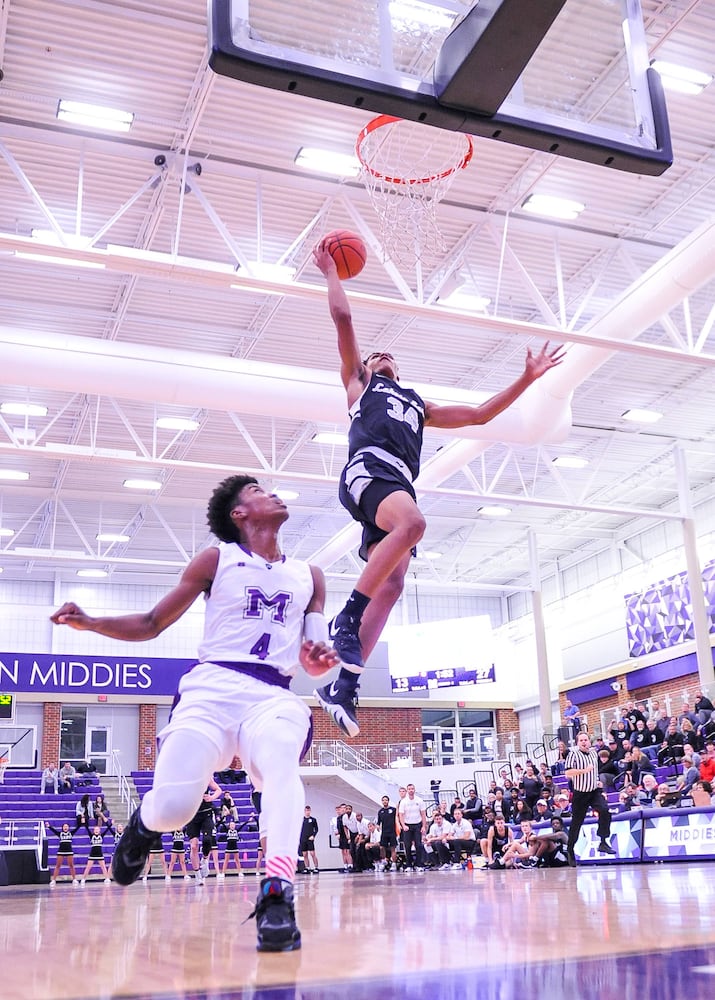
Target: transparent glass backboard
<point>585,90</point>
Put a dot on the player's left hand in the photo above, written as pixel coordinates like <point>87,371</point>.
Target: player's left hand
<point>537,364</point>
<point>317,658</point>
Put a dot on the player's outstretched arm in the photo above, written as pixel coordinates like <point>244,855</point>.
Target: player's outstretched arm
<point>351,366</point>
<point>196,579</point>
<point>535,366</point>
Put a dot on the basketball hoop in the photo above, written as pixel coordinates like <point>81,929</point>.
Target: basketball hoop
<point>407,169</point>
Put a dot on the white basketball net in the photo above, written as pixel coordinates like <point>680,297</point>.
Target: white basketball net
<point>407,169</point>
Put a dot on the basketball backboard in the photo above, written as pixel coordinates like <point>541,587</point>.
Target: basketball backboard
<point>529,72</point>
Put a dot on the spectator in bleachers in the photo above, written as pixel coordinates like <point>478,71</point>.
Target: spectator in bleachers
<point>634,714</point>
<point>474,807</point>
<point>707,730</point>
<point>647,796</point>
<point>100,810</point>
<point>615,748</point>
<point>500,805</point>
<point>572,716</point>
<point>461,838</point>
<point>686,712</point>
<point>707,763</point>
<point>691,737</point>
<point>702,794</point>
<point>499,838</point>
<point>65,852</point>
<point>620,730</point>
<point>666,797</point>
<point>628,797</point>
<point>228,808</point>
<point>702,707</point>
<point>608,769</point>
<point>67,777</point>
<point>662,722</point>
<point>562,806</point>
<point>87,771</point>
<point>521,810</point>
<point>531,785</point>
<point>50,780</point>
<point>656,737</point>
<point>637,764</point>
<point>543,813</point>
<point>559,764</point>
<point>691,773</point>
<point>672,748</point>
<point>458,804</point>
<point>96,854</point>
<point>643,737</point>
<point>84,814</point>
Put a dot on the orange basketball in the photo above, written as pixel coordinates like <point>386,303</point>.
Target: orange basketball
<point>348,251</point>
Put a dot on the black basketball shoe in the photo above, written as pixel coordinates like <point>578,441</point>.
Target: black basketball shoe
<point>343,632</point>
<point>275,916</point>
<point>339,700</point>
<point>132,851</point>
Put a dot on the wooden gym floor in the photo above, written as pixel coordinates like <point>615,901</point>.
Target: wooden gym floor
<point>593,933</point>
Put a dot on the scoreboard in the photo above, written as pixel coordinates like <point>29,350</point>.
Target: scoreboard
<point>7,707</point>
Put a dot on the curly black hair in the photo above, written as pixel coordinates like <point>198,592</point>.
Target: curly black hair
<point>223,500</point>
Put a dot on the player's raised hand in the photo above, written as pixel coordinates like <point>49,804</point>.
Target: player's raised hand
<point>537,364</point>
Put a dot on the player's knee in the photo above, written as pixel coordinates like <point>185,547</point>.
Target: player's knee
<point>413,527</point>
<point>166,807</point>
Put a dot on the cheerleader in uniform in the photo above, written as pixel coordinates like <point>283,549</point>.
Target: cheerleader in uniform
<point>178,855</point>
<point>231,852</point>
<point>65,852</point>
<point>96,854</point>
<point>156,850</point>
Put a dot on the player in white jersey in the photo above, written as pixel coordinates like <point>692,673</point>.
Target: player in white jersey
<point>264,617</point>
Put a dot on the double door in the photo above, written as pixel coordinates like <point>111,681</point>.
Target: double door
<point>447,745</point>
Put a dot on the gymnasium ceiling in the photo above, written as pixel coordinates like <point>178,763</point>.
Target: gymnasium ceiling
<point>109,350</point>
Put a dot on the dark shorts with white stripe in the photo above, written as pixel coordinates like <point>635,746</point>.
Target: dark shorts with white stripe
<point>364,484</point>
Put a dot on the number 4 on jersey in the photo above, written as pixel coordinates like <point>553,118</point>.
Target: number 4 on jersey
<point>260,648</point>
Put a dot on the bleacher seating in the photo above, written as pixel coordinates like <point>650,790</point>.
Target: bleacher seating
<point>241,794</point>
<point>22,803</point>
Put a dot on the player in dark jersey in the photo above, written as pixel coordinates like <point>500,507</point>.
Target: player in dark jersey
<point>385,441</point>
<point>202,825</point>
<point>387,821</point>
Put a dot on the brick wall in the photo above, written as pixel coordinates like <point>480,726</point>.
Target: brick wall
<point>613,703</point>
<point>507,725</point>
<point>51,717</point>
<point>146,750</point>
<point>378,727</point>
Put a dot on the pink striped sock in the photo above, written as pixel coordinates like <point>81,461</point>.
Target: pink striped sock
<point>281,867</point>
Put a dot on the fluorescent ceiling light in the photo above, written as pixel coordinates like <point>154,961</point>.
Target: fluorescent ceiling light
<point>571,462</point>
<point>14,474</point>
<point>432,554</point>
<point>68,239</point>
<point>96,573</point>
<point>6,532</point>
<point>142,484</point>
<point>94,116</point>
<point>323,161</point>
<point>159,257</point>
<point>177,424</point>
<point>495,510</point>
<point>682,79</point>
<point>45,258</point>
<point>23,409</point>
<point>111,536</point>
<point>642,416</point>
<point>283,273</point>
<point>330,437</point>
<point>287,494</point>
<point>463,300</point>
<point>409,12</point>
<point>553,207</point>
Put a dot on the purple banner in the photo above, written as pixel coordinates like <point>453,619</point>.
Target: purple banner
<point>30,672</point>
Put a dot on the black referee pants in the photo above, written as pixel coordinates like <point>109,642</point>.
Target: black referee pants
<point>581,802</point>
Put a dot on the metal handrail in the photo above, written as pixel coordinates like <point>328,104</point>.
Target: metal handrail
<point>368,757</point>
<point>124,788</point>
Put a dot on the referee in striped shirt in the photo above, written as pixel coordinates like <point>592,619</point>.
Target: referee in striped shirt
<point>582,770</point>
